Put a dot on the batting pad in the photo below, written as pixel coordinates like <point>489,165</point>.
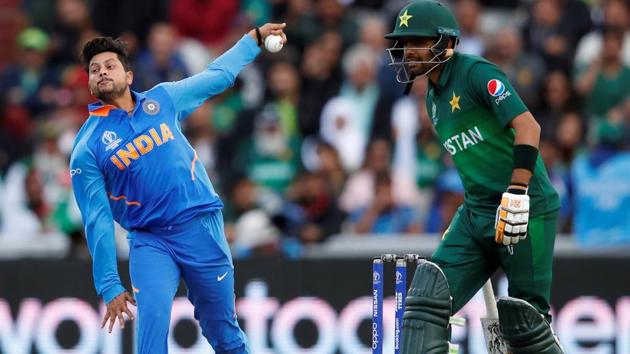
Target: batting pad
<point>524,330</point>
<point>426,328</point>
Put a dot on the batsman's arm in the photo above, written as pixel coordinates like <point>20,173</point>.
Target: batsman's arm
<point>489,84</point>
<point>89,190</point>
<point>493,89</point>
<point>527,134</point>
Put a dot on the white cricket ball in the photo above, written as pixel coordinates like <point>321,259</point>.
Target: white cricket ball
<point>273,43</point>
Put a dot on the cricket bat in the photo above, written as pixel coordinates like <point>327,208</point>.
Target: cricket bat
<point>490,323</point>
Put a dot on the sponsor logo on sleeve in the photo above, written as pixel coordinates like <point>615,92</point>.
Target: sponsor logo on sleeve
<point>497,89</point>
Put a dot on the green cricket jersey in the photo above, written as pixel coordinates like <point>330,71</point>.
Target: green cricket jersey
<point>471,108</point>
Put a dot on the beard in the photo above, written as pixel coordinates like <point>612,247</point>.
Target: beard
<point>420,69</point>
<point>109,92</point>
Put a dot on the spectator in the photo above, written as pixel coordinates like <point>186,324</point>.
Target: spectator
<point>449,196</point>
<point>372,34</point>
<point>271,156</point>
<point>558,99</point>
<point>208,21</point>
<point>616,15</point>
<point>331,168</point>
<point>243,197</point>
<point>322,216</point>
<point>73,23</point>
<point>471,40</point>
<point>307,20</point>
<point>302,28</point>
<point>560,178</point>
<point>384,215</point>
<point>417,153</point>
<point>255,235</point>
<point>545,35</point>
<point>576,18</point>
<point>30,82</point>
<point>604,84</point>
<point>160,62</point>
<point>132,20</point>
<point>24,207</point>
<point>202,137</point>
<point>360,112</point>
<point>358,193</point>
<point>248,227</point>
<point>569,137</point>
<point>332,15</point>
<point>321,74</point>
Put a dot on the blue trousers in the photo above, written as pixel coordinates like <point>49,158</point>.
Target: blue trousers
<point>196,251</point>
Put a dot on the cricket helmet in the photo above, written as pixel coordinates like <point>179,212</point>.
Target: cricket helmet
<point>423,18</point>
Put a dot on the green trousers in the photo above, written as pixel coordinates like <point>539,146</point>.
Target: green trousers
<point>468,255</point>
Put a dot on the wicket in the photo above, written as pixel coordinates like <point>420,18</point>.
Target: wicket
<point>400,294</point>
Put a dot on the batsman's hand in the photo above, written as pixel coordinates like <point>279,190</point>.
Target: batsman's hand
<point>512,216</point>
<point>115,310</point>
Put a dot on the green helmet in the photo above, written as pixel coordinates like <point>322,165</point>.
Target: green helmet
<point>425,18</point>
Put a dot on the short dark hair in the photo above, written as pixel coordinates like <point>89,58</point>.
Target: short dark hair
<point>100,45</point>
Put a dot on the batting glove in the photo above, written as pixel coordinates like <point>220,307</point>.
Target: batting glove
<point>512,216</point>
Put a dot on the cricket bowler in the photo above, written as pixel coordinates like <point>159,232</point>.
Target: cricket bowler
<point>132,164</point>
<point>509,214</point>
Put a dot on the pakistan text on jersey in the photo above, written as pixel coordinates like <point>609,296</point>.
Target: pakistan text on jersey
<point>461,141</point>
<point>142,145</point>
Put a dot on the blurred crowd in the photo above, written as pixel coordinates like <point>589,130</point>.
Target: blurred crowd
<point>316,140</point>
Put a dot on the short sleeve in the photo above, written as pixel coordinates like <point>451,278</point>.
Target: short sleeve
<point>491,88</point>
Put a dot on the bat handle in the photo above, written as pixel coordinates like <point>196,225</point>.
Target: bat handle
<point>491,303</point>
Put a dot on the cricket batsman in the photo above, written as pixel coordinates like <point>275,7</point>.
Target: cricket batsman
<point>132,164</point>
<point>508,218</point>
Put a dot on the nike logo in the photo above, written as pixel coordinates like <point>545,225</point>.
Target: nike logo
<point>220,277</point>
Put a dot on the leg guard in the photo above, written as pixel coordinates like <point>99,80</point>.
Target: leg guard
<point>426,328</point>
<point>524,329</point>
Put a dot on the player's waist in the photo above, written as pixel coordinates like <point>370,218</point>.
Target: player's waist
<point>181,225</point>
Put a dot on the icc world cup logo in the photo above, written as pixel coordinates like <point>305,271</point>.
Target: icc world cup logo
<point>398,277</point>
<point>108,137</point>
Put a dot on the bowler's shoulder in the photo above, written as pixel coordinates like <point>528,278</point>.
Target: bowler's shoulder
<point>82,140</point>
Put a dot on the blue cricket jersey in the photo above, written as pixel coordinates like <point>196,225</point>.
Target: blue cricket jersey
<point>139,169</point>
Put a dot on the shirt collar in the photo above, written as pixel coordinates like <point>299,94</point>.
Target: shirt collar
<point>446,72</point>
<point>100,109</point>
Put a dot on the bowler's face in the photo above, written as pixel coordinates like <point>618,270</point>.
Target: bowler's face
<point>107,76</point>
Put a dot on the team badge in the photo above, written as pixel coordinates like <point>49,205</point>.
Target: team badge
<point>151,107</point>
<point>496,88</point>
<point>454,102</point>
<point>110,139</point>
<point>404,19</point>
